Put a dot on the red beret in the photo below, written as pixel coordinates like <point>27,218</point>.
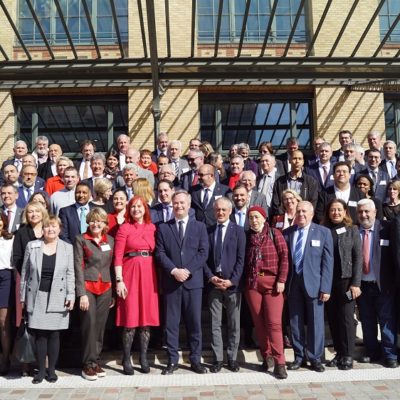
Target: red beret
<point>258,209</point>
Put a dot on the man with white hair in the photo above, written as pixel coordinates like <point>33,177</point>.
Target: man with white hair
<point>20,149</point>
<point>374,142</point>
<point>123,144</point>
<point>248,179</point>
<point>350,154</point>
<point>388,164</point>
<point>377,302</point>
<point>162,146</point>
<point>195,160</point>
<point>360,154</point>
<point>174,153</point>
<point>41,149</point>
<point>322,170</point>
<point>269,174</point>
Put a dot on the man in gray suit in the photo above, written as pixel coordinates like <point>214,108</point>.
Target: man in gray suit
<point>9,196</point>
<point>248,179</point>
<point>174,153</point>
<point>269,174</point>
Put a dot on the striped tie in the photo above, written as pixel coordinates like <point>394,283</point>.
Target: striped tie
<point>298,252</point>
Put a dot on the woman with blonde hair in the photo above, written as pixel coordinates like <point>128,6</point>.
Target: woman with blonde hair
<point>102,192</point>
<point>290,199</point>
<point>142,188</point>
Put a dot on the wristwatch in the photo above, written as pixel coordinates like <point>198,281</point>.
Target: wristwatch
<point>119,279</point>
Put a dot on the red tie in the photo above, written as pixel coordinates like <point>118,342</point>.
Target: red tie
<point>195,179</point>
<point>366,255</point>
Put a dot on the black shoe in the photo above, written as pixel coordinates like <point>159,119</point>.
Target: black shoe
<point>198,368</point>
<point>345,363</point>
<point>5,370</point>
<point>233,366</point>
<point>368,359</point>
<point>144,365</point>
<point>334,362</point>
<point>296,364</point>
<point>216,367</point>
<point>267,364</point>
<point>280,371</point>
<point>317,366</point>
<point>128,368</point>
<point>37,379</point>
<point>51,378</point>
<point>169,369</point>
<point>391,363</point>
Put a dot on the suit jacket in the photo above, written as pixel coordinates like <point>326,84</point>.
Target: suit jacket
<point>232,258</point>
<point>383,166</point>
<point>395,234</point>
<point>246,226</point>
<point>326,196</point>
<point>142,173</point>
<point>317,260</point>
<point>186,180</point>
<point>71,226</point>
<point>157,214</point>
<point>183,167</point>
<point>384,245</point>
<point>90,182</point>
<point>192,253</point>
<point>382,181</point>
<point>63,284</point>
<point>21,201</point>
<point>284,157</point>
<point>17,218</point>
<point>313,170</point>
<point>309,191</point>
<point>206,215</point>
<point>258,199</point>
<point>45,171</point>
<point>337,154</point>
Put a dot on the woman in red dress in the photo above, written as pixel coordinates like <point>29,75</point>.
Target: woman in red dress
<point>135,274</point>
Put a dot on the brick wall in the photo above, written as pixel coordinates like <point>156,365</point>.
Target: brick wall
<point>7,117</point>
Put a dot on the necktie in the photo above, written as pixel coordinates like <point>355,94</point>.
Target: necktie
<point>176,163</point>
<point>241,219</point>
<point>205,199</point>
<point>9,217</point>
<point>366,254</point>
<point>180,231</point>
<point>393,169</point>
<point>298,252</point>
<point>261,188</point>
<point>129,192</point>
<point>374,178</point>
<point>167,213</point>
<point>218,248</point>
<point>195,180</point>
<point>28,193</point>
<point>82,219</point>
<point>86,170</point>
<point>324,173</point>
<point>18,164</point>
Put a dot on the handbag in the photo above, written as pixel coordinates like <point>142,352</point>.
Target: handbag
<point>25,346</point>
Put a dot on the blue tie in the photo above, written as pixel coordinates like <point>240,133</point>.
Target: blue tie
<point>298,252</point>
<point>241,222</point>
<point>82,219</point>
<point>218,248</point>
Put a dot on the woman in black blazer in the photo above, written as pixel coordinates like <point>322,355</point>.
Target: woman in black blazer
<point>346,283</point>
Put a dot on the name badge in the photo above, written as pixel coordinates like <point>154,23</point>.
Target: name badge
<point>341,230</point>
<point>184,170</point>
<point>105,247</point>
<point>217,197</point>
<point>279,225</point>
<point>352,172</point>
<point>382,183</point>
<point>384,242</point>
<point>352,204</point>
<point>36,245</point>
<point>331,178</point>
<point>315,243</point>
<point>17,226</point>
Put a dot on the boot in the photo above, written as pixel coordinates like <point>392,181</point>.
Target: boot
<point>280,371</point>
<point>127,340</point>
<point>144,337</point>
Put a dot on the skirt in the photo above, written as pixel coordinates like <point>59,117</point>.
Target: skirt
<point>7,289</point>
<point>39,318</point>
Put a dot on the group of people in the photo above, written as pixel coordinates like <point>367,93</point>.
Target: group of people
<point>157,234</point>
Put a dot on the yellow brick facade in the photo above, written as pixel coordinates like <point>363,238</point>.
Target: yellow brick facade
<point>7,124</point>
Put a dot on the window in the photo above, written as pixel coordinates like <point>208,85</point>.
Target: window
<point>388,13</point>
<point>392,119</point>
<point>68,121</point>
<point>228,121</point>
<point>259,14</point>
<point>75,17</point>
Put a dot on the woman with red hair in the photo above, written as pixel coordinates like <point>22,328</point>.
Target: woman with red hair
<point>135,274</point>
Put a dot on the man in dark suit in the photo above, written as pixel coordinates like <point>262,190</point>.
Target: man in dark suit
<point>205,193</point>
<point>380,178</point>
<point>240,199</point>
<point>378,286</point>
<point>181,252</point>
<point>388,164</point>
<point>322,170</point>
<point>306,186</point>
<point>73,217</point>
<point>292,145</point>
<point>20,149</point>
<point>174,153</point>
<point>49,169</point>
<point>315,157</point>
<point>341,189</point>
<point>195,160</point>
<point>9,196</point>
<point>309,285</point>
<point>162,146</point>
<point>97,165</point>
<point>350,154</point>
<point>374,142</point>
<point>224,271</point>
<point>10,176</point>
<point>345,137</point>
<point>29,186</point>
<point>88,149</point>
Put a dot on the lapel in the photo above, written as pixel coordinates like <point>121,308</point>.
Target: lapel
<point>376,251</point>
<point>228,235</point>
<point>39,259</point>
<point>60,255</point>
<point>308,241</point>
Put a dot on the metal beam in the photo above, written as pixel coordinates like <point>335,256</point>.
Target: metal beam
<point>193,35</point>
<point>64,24</point>
<point>388,33</point>
<point>14,28</point>
<point>367,29</point>
<point>319,27</point>
<point>246,15</point>
<point>343,28</point>
<point>151,25</point>
<point>142,30</point>
<point>292,32</point>
<point>5,56</point>
<point>41,31</point>
<point>167,28</point>
<point>117,31</point>
<point>92,32</point>
<point>220,8</point>
<point>269,27</point>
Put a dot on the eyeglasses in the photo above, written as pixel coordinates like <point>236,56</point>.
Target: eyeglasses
<point>192,159</point>
<point>201,175</point>
<point>96,222</point>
